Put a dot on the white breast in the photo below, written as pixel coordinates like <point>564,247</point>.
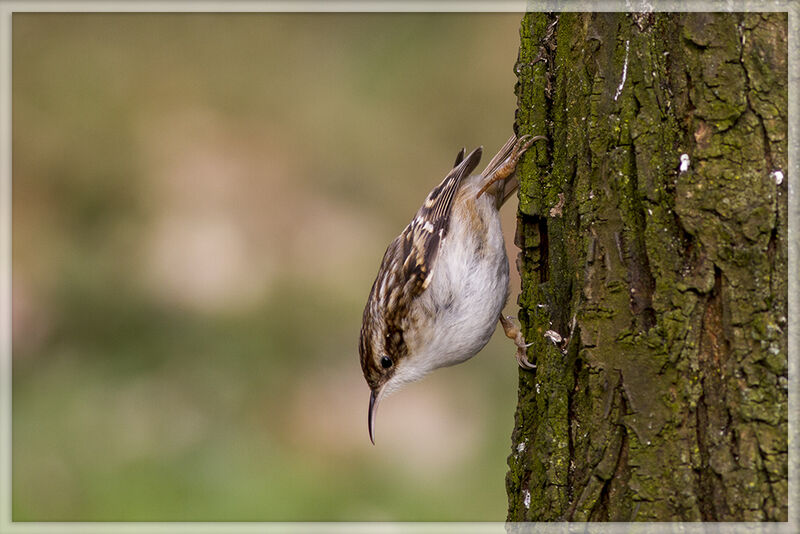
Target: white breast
<point>468,288</point>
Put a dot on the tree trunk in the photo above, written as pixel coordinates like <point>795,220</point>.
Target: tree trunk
<point>653,237</point>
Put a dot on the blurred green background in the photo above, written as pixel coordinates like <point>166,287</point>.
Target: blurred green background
<point>200,204</point>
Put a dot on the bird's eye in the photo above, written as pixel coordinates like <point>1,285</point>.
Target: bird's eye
<point>386,362</point>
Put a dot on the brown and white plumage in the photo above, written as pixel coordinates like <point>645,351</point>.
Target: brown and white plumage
<point>444,280</point>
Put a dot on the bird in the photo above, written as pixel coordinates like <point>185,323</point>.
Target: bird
<point>443,282</point>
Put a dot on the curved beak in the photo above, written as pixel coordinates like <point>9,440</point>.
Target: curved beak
<point>374,398</point>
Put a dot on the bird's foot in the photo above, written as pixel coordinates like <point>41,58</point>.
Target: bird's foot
<point>509,165</point>
<point>514,333</point>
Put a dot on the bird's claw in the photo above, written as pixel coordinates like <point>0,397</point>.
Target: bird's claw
<point>514,333</point>
<point>522,360</point>
<point>509,165</point>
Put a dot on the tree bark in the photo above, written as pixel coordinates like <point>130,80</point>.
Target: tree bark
<point>653,237</point>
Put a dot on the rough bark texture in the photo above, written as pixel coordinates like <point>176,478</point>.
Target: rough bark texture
<point>667,397</point>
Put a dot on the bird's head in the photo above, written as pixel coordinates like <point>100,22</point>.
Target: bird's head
<point>388,361</point>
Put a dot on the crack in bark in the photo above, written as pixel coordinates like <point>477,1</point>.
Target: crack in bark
<point>749,93</point>
<point>606,507</point>
<point>543,266</point>
<point>712,355</point>
<point>642,283</point>
<point>771,496</point>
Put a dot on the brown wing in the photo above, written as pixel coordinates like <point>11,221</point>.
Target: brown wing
<point>423,236</point>
<point>460,157</point>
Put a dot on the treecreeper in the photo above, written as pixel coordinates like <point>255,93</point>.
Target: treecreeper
<point>443,281</point>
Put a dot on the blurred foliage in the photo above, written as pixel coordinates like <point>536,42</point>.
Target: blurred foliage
<point>200,203</point>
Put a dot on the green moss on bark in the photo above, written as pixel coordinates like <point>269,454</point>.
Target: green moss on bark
<point>667,398</point>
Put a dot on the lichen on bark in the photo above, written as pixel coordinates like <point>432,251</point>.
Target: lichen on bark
<point>653,239</point>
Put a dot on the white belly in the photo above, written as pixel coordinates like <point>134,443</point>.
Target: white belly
<point>468,289</point>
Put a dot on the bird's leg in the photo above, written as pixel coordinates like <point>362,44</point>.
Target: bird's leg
<point>512,332</point>
<point>509,165</point>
